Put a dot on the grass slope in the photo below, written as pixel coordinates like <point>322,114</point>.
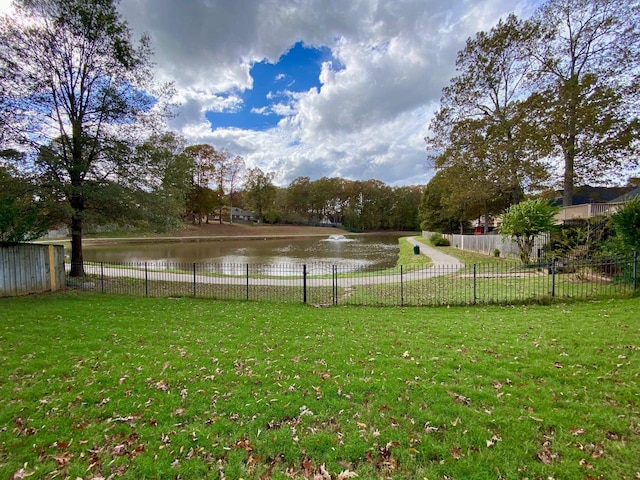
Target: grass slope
<point>96,386</point>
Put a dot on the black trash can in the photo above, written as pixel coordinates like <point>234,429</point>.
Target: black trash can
<point>416,249</point>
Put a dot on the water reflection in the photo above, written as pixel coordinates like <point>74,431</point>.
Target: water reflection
<point>357,253</point>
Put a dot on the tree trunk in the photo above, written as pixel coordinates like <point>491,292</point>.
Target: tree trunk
<point>572,89</point>
<point>567,194</point>
<point>77,260</point>
<point>486,218</point>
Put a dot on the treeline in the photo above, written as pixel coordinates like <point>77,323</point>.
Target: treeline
<point>355,205</point>
<point>174,183</point>
<point>202,182</point>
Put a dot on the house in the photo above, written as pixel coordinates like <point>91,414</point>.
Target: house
<point>591,202</point>
<point>239,215</point>
<point>627,196</point>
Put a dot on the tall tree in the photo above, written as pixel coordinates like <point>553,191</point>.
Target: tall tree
<point>203,199</point>
<point>261,191</point>
<point>170,177</point>
<point>78,79</point>
<point>232,177</point>
<point>587,57</point>
<point>439,211</point>
<point>298,200</point>
<point>404,212</point>
<point>482,131</point>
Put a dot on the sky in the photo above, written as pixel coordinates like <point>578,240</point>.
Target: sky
<point>315,88</point>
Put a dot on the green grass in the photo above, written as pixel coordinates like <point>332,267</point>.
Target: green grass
<point>93,386</point>
<point>407,258</point>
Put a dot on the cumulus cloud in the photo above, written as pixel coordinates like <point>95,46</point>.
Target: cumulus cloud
<point>390,61</point>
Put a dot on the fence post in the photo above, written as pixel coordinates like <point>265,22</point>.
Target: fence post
<point>401,288</point>
<point>474,285</point>
<point>635,271</point>
<point>102,277</point>
<point>334,284</point>
<point>247,296</point>
<point>553,277</point>
<point>146,280</point>
<point>194,279</point>
<point>304,283</point>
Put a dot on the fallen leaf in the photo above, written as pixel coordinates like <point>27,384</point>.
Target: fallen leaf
<point>63,459</point>
<point>585,464</point>
<point>345,474</point>
<point>455,452</point>
<point>21,473</point>
<point>493,440</point>
<point>459,399</point>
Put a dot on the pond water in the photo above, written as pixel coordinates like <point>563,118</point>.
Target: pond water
<point>353,253</point>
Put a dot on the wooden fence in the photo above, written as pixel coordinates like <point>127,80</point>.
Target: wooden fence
<point>31,268</point>
<point>487,244</point>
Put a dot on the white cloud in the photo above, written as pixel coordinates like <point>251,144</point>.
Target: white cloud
<point>371,113</point>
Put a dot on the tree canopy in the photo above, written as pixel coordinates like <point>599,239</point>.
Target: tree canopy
<point>522,222</point>
<point>80,85</point>
<point>558,92</point>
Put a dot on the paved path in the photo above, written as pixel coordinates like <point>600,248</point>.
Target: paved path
<point>436,255</point>
<point>442,265</point>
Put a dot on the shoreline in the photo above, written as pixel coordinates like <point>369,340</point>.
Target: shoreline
<point>225,232</point>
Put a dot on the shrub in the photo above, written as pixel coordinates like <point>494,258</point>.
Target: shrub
<point>437,240</point>
<point>626,225</point>
<point>523,221</point>
<point>496,252</point>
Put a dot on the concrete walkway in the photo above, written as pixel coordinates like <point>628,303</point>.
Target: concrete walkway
<point>436,255</point>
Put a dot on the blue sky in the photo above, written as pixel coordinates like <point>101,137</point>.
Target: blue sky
<point>297,70</point>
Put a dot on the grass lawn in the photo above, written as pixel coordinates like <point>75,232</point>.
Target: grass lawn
<point>96,386</point>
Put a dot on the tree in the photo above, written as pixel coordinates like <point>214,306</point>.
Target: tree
<point>260,190</point>
<point>404,211</point>
<point>170,177</point>
<point>23,215</point>
<point>298,200</point>
<point>483,133</point>
<point>369,206</point>
<point>202,199</point>
<point>74,70</point>
<point>437,212</point>
<point>587,56</point>
<point>232,177</point>
<point>524,221</point>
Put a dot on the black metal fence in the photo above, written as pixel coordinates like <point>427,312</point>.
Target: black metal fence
<point>324,284</point>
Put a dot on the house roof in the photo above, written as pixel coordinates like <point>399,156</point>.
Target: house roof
<point>588,194</point>
<point>627,196</point>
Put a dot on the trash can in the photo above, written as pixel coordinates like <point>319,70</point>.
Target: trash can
<point>416,249</point>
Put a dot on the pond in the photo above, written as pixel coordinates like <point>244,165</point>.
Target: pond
<point>351,253</point>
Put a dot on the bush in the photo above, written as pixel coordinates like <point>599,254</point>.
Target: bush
<point>496,252</point>
<point>437,240</point>
<point>626,225</point>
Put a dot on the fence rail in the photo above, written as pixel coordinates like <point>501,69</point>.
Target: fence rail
<point>325,284</point>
